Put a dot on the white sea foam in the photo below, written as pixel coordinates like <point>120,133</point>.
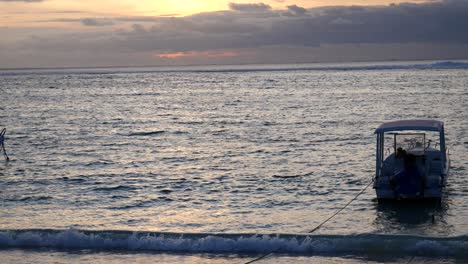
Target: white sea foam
<point>362,244</point>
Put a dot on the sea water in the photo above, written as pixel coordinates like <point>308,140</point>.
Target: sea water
<point>222,164</point>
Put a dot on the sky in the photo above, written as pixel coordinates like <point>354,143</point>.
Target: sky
<point>99,33</point>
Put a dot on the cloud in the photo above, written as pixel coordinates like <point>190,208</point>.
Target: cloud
<point>91,21</point>
<point>403,23</point>
<point>341,21</point>
<point>138,28</point>
<point>94,22</point>
<point>46,12</point>
<point>251,27</point>
<point>259,7</point>
<point>200,54</point>
<point>297,10</point>
<point>436,22</point>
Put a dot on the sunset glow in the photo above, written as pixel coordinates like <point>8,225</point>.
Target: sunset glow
<point>199,54</point>
<point>184,32</point>
<point>21,13</point>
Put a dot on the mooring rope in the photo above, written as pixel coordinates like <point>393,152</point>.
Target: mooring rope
<point>410,260</point>
<point>342,208</point>
<point>2,144</point>
<point>319,225</point>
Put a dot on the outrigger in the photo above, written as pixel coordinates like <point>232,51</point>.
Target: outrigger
<point>412,160</point>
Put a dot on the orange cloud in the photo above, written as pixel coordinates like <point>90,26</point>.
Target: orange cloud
<point>198,54</point>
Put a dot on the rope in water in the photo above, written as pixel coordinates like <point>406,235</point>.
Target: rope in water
<point>342,208</point>
<point>319,225</point>
<point>2,145</point>
<point>410,260</point>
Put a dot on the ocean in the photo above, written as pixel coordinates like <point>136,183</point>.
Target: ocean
<point>223,164</point>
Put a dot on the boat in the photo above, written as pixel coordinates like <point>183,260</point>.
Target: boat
<point>412,160</point>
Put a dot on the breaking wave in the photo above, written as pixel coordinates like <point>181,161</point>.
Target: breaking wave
<point>306,244</point>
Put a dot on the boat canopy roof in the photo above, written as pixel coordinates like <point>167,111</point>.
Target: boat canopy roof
<point>425,125</point>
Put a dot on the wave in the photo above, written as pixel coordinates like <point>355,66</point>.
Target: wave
<point>114,188</point>
<point>248,68</point>
<point>306,244</point>
<point>147,133</point>
<point>292,176</point>
<point>424,66</point>
<point>30,198</point>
